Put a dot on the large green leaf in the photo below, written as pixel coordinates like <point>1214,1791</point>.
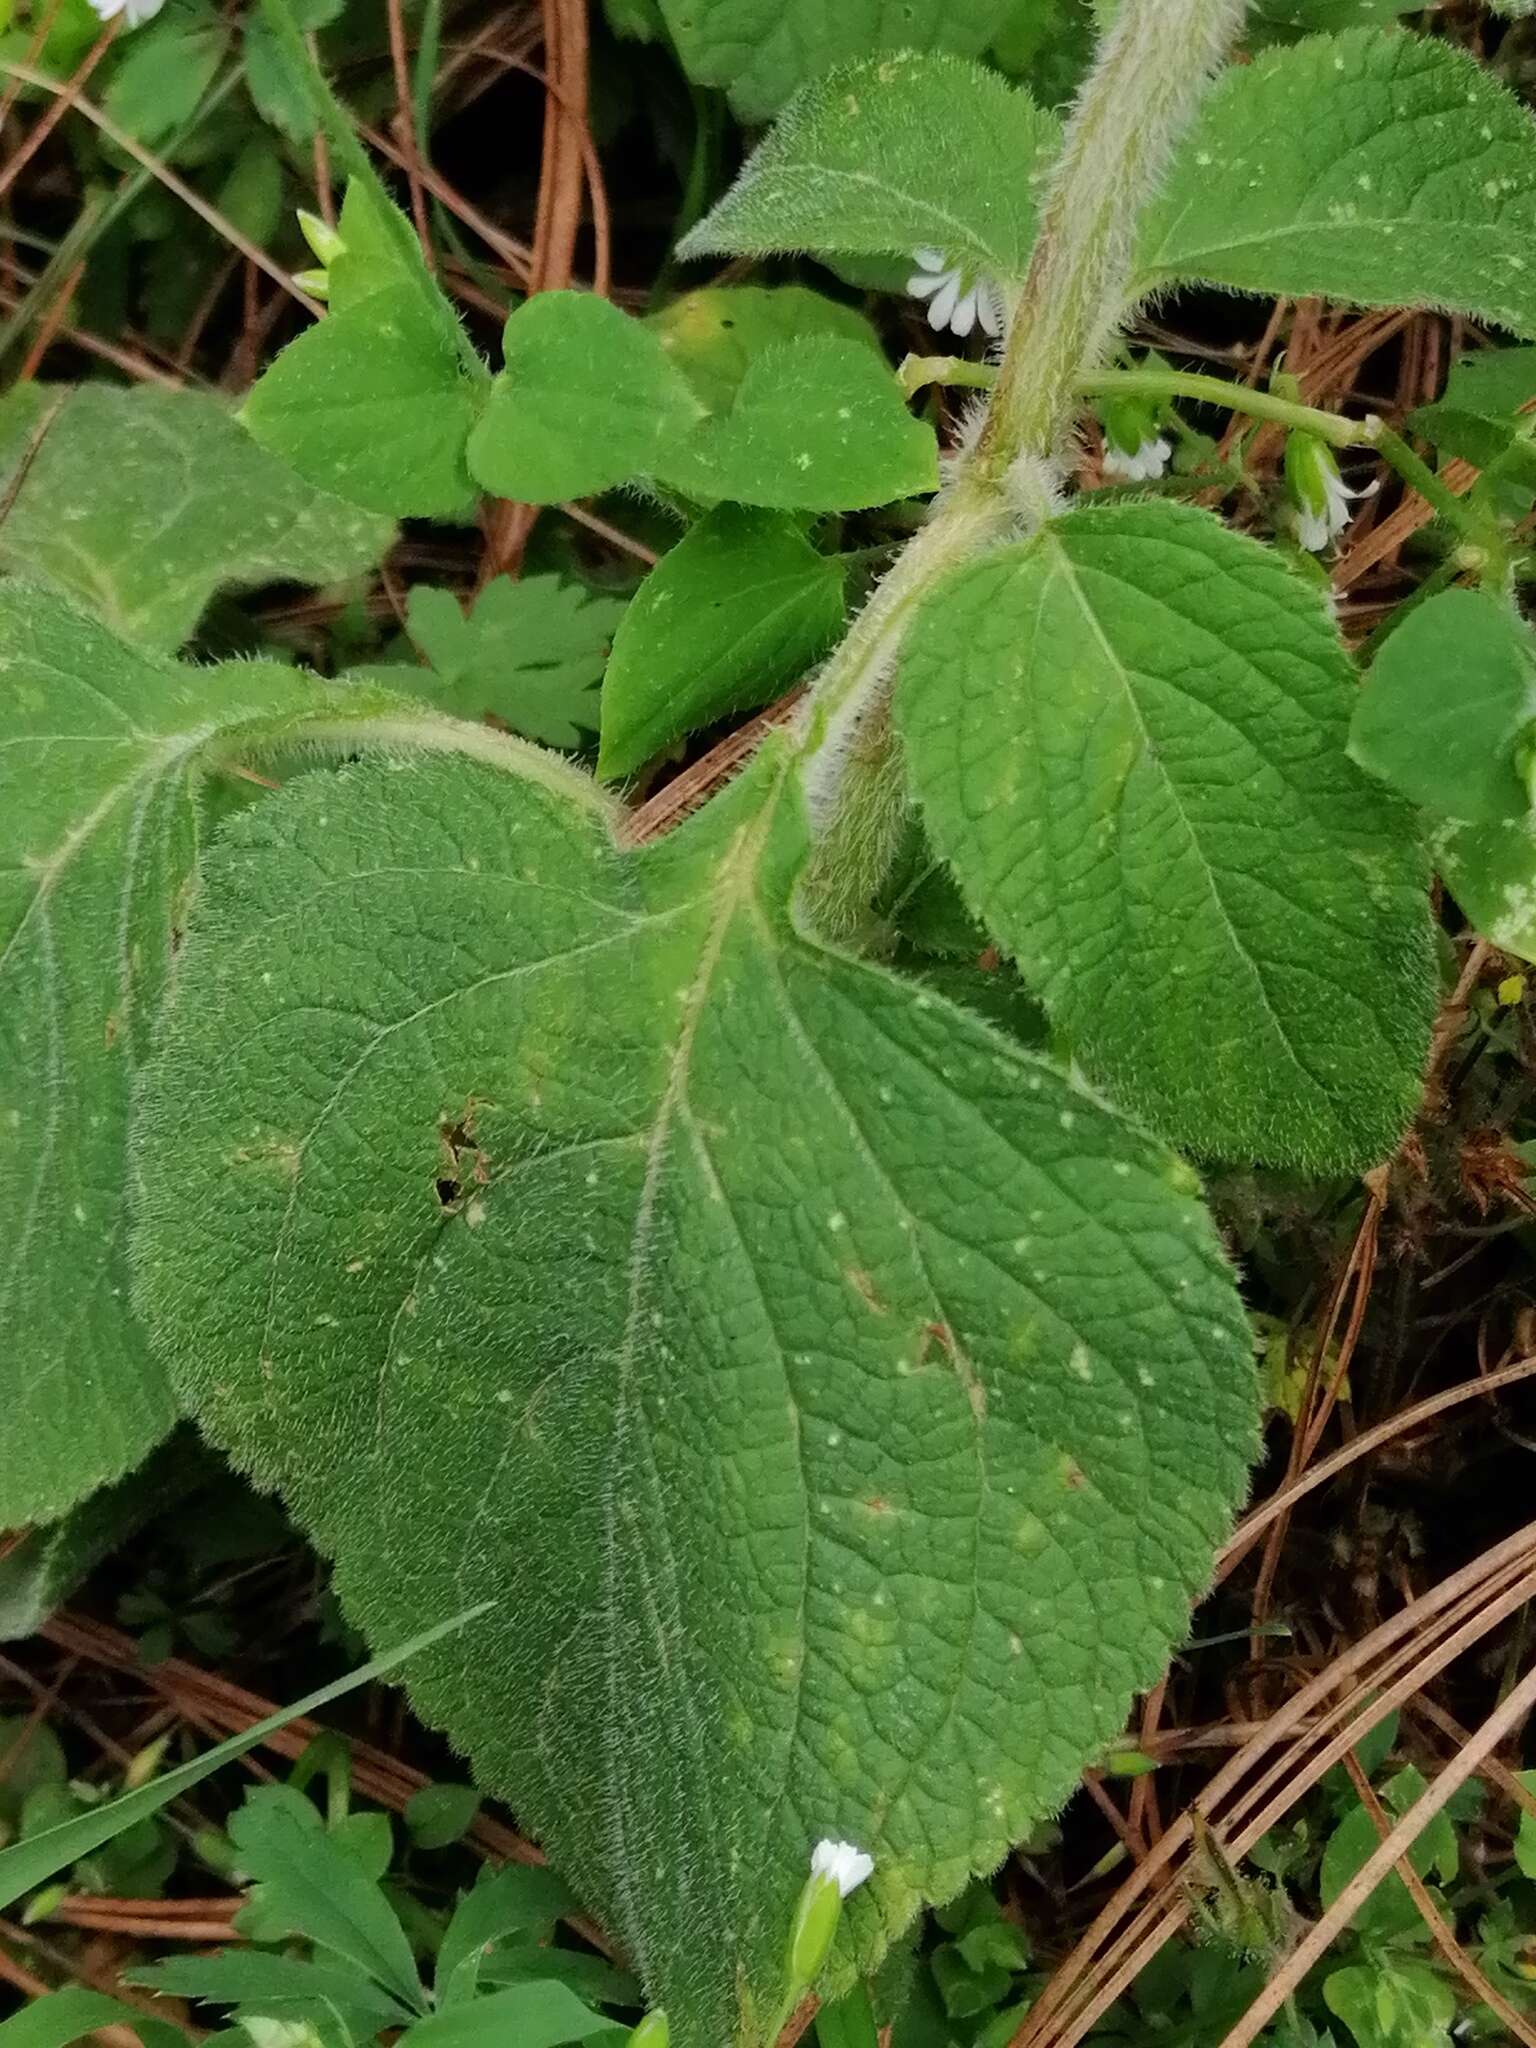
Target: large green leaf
<point>1376,167</point>
<point>104,753</point>
<point>762,50</point>
<point>1128,736</point>
<point>892,154</point>
<point>142,503</point>
<point>843,1402</point>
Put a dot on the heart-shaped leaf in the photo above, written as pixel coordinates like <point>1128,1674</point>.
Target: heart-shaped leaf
<point>840,1405</point>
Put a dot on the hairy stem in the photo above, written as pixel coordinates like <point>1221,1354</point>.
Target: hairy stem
<point>1153,66</point>
<point>1152,69</point>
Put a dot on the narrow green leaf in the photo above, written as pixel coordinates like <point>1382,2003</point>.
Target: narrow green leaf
<point>70,2014</point>
<point>141,503</point>
<point>26,1865</point>
<point>737,611</point>
<point>1376,167</point>
<point>373,403</point>
<point>836,1488</point>
<point>713,335</point>
<point>894,153</point>
<point>538,2015</point>
<point>529,655</point>
<point>1448,700</point>
<point>587,398</point>
<point>272,1984</point>
<point>315,1888</point>
<point>1128,737</point>
<point>761,55</point>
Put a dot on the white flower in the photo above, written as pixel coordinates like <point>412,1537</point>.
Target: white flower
<point>1147,461</point>
<point>1321,497</point>
<point>958,297</point>
<point>843,1862</point>
<point>1316,529</point>
<point>134,13</point>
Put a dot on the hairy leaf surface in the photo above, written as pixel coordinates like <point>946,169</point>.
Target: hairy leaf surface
<point>893,153</point>
<point>839,1404</point>
<point>762,50</point>
<point>104,750</point>
<point>142,503</point>
<point>1376,167</point>
<point>1128,736</point>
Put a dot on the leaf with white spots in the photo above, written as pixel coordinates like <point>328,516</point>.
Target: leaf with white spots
<point>105,757</point>
<point>887,156</point>
<point>142,503</point>
<point>838,1404</point>
<point>1374,167</point>
<point>1128,736</point>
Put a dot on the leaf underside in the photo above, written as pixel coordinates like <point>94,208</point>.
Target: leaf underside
<point>840,1405</point>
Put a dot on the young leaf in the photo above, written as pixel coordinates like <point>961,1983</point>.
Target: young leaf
<point>1149,802</point>
<point>738,610</point>
<point>761,55</point>
<point>141,503</point>
<point>316,1889</point>
<point>1375,167</point>
<point>894,153</point>
<point>836,1486</point>
<point>374,403</point>
<point>438,1815</point>
<point>715,334</point>
<point>530,654</point>
<point>1448,699</point>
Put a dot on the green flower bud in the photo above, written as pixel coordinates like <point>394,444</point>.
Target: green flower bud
<point>321,237</point>
<point>652,2032</point>
<point>813,1931</point>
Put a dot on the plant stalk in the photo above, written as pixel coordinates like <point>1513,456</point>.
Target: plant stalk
<point>1152,69</point>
